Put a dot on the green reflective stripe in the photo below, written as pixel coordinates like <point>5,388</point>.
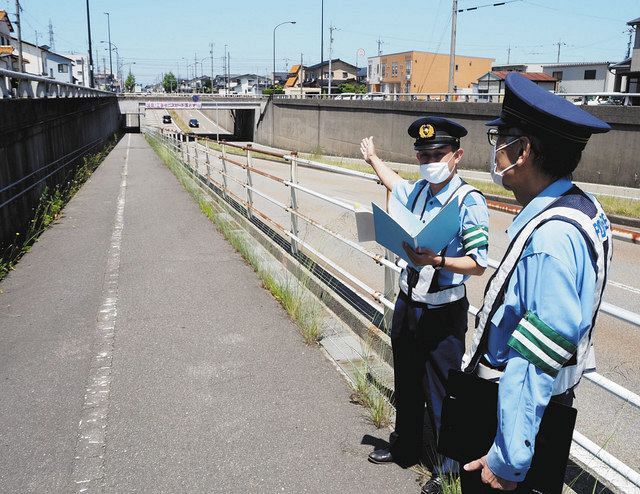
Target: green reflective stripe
<point>474,229</point>
<point>476,240</point>
<point>550,333</point>
<point>525,348</point>
<point>539,341</point>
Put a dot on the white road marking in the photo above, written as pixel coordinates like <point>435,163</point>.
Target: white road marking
<point>624,287</point>
<point>88,463</point>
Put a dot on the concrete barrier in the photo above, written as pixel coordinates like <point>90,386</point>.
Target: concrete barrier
<point>45,138</point>
<point>336,128</point>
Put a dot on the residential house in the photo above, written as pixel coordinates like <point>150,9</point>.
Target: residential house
<point>58,66</point>
<point>581,77</point>
<point>8,57</point>
<point>493,82</point>
<point>296,84</point>
<point>318,75</point>
<point>423,72</point>
<point>627,72</point>
<point>249,84</point>
<point>374,76</point>
<point>280,78</point>
<point>80,68</point>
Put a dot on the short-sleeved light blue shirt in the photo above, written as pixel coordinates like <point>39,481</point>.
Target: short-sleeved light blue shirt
<point>418,197</point>
<point>555,279</point>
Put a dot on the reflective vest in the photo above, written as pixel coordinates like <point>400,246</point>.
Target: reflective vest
<point>586,214</point>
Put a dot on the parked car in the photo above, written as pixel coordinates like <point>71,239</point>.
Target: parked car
<point>194,122</point>
<point>166,118</point>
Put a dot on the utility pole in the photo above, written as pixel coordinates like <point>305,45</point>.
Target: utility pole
<point>559,43</point>
<point>52,43</point>
<point>224,71</point>
<point>110,46</point>
<point>331,30</point>
<point>41,60</point>
<point>321,42</point>
<point>452,52</point>
<point>211,53</point>
<point>20,69</point>
<point>380,43</point>
<point>91,81</point>
<point>508,54</point>
<point>300,76</point>
<point>229,69</point>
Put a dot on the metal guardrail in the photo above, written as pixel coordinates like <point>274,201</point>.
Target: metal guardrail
<point>201,156</point>
<point>589,99</point>
<point>21,85</point>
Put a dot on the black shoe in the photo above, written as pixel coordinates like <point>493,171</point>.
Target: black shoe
<point>433,486</point>
<point>381,456</point>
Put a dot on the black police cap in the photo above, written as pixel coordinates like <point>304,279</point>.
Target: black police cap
<point>435,132</point>
<point>531,107</point>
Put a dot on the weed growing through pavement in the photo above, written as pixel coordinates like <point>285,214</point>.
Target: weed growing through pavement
<point>49,208</point>
<point>365,393</point>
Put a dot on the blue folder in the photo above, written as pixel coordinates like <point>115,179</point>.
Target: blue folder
<point>404,226</point>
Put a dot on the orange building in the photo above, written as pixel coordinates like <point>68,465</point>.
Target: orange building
<point>423,72</point>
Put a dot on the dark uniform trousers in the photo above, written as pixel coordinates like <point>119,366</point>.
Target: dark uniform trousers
<point>471,482</point>
<point>427,343</point>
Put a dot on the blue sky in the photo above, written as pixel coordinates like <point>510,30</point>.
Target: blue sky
<point>158,35</point>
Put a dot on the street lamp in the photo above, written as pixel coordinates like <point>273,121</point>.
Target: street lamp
<point>112,47</point>
<point>274,48</point>
<point>109,31</point>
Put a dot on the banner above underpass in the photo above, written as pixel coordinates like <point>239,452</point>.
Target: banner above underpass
<point>176,105</point>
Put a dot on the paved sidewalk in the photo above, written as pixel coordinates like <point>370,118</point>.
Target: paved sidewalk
<point>138,352</point>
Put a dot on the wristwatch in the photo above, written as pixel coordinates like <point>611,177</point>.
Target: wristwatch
<point>441,265</point>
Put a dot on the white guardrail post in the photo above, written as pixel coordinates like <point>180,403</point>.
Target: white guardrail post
<point>249,183</point>
<point>294,202</point>
<point>195,154</point>
<point>225,186</point>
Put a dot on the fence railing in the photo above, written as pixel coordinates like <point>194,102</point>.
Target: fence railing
<point>21,85</point>
<point>200,160</point>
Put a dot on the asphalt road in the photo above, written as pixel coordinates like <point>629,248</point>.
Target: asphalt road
<point>207,125</point>
<point>140,353</point>
<point>603,418</point>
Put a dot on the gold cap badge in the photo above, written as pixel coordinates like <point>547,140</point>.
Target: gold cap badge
<point>426,131</point>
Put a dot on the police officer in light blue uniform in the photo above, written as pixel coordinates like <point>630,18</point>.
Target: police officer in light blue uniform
<point>534,330</point>
<point>430,317</point>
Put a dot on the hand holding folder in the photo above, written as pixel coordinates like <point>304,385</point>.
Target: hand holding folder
<point>401,225</point>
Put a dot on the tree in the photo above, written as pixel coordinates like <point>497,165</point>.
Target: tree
<point>130,83</point>
<point>169,82</point>
<point>350,87</point>
<point>274,89</point>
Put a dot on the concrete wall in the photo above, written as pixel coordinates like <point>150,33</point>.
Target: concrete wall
<point>34,133</point>
<point>336,128</point>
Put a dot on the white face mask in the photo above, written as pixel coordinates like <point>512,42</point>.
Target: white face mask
<point>496,175</point>
<point>435,173</point>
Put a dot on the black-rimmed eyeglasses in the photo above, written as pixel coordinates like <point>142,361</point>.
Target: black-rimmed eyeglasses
<point>494,134</point>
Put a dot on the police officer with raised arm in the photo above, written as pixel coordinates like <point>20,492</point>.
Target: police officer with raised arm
<point>534,331</point>
<point>430,317</point>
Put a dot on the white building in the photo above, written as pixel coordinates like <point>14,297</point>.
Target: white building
<point>80,68</point>
<point>581,77</point>
<point>374,76</point>
<point>249,84</point>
